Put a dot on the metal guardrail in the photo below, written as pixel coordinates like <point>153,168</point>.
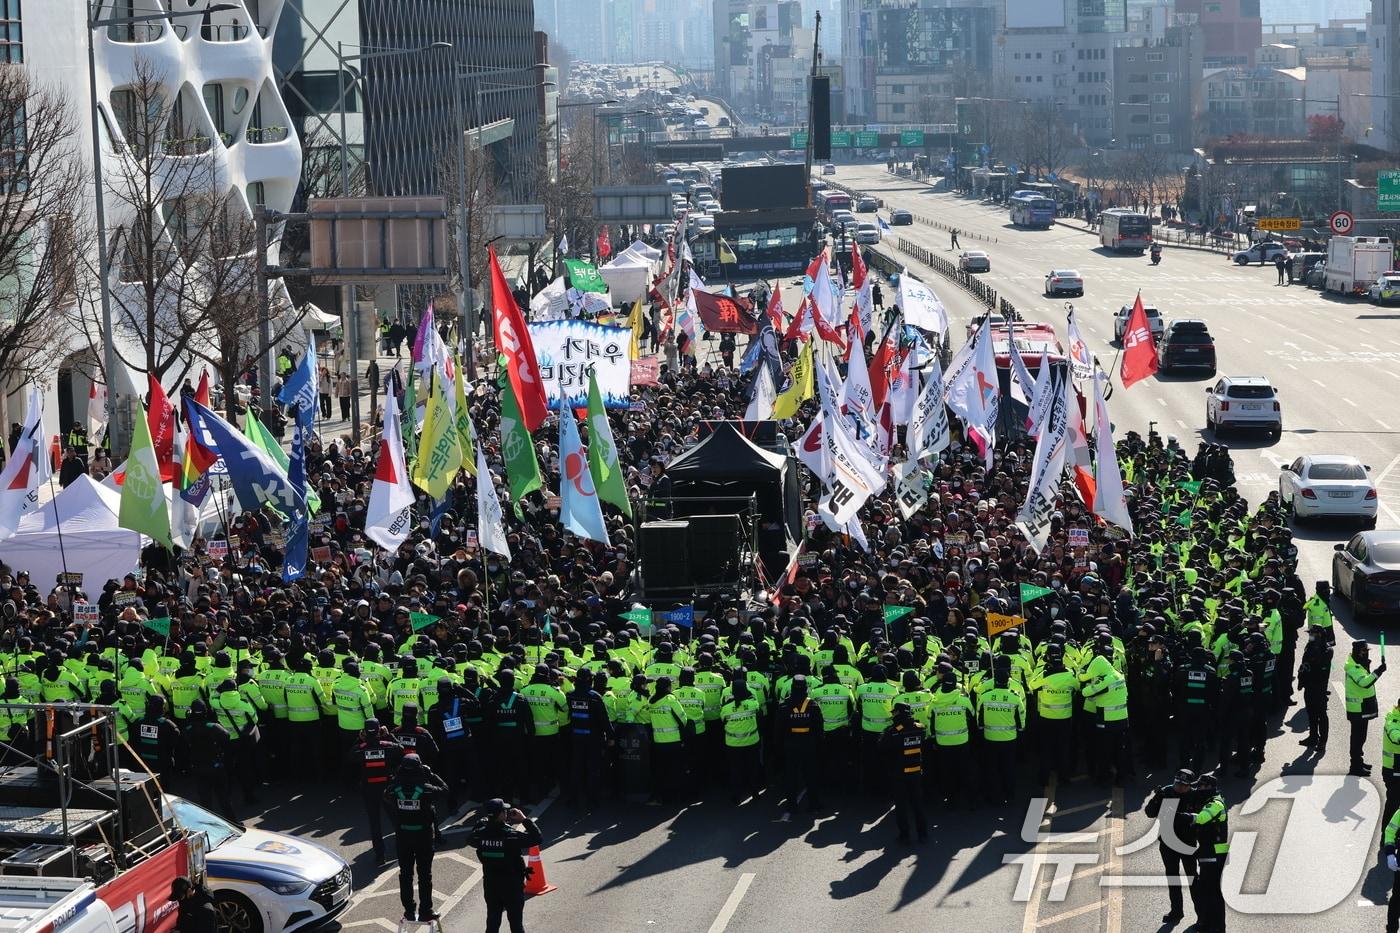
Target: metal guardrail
<point>948,228</point>
<point>972,284</point>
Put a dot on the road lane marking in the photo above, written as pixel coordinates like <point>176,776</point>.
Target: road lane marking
<point>1113,915</point>
<point>1182,424</point>
<point>1319,382</point>
<point>1031,919</point>
<point>1068,915</point>
<point>1384,426</point>
<point>1351,403</point>
<point>1161,401</point>
<point>727,911</point>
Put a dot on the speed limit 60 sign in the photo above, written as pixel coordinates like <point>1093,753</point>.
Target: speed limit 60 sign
<point>1341,223</point>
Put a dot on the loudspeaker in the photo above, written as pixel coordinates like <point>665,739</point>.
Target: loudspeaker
<point>821,118</point>
<point>665,548</point>
<point>714,549</point>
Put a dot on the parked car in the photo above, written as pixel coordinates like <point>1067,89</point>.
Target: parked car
<point>1317,275</point>
<point>1366,570</point>
<point>975,260</point>
<point>1386,290</point>
<point>1186,343</point>
<point>901,218</point>
<point>866,205</point>
<point>829,169</point>
<point>1261,253</point>
<point>1243,402</point>
<point>266,881</point>
<point>867,234</point>
<point>1321,485</point>
<point>1064,282</point>
<point>1154,321</point>
<point>1303,263</point>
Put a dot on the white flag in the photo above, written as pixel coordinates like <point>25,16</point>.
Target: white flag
<point>389,516</point>
<point>97,411</point>
<point>824,301</point>
<point>857,399</point>
<point>1080,359</point>
<point>27,467</point>
<point>1036,512</point>
<point>974,395</point>
<point>909,492</point>
<point>920,306</point>
<point>853,478</point>
<point>490,522</point>
<point>928,427</point>
<point>1041,399</point>
<point>1022,385</point>
<point>812,450</point>
<point>904,390</point>
<point>1109,501</point>
<point>764,395</point>
<point>564,244</point>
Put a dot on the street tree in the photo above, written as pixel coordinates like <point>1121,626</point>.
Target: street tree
<point>41,234</point>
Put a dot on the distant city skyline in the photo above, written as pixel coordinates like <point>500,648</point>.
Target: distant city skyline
<point>1312,11</point>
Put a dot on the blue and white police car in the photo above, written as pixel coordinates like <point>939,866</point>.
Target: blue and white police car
<point>264,882</point>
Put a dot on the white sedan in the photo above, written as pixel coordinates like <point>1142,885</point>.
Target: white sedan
<point>1064,282</point>
<point>1317,486</point>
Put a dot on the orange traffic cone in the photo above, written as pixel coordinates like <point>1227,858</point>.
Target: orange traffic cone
<point>535,882</point>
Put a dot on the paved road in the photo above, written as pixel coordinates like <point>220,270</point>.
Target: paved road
<point>714,867</point>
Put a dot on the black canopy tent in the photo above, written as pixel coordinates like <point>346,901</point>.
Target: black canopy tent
<point>726,467</point>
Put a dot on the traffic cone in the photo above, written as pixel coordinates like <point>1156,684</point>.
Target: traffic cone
<point>535,883</point>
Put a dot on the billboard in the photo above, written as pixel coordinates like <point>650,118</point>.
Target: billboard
<point>763,187</point>
<point>1035,14</point>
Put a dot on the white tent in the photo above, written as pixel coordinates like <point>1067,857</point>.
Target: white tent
<point>90,542</point>
<point>630,273</point>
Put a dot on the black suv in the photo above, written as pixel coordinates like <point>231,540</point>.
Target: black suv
<point>1186,344</point>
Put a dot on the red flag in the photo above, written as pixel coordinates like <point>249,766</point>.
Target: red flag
<point>724,314</point>
<point>857,267</point>
<point>160,418</point>
<point>1139,349</point>
<point>604,244</point>
<point>201,394</point>
<point>775,307</point>
<point>513,341</point>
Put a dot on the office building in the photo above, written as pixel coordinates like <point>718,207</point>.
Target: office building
<point>1233,29</point>
<point>1158,84</point>
<point>404,108</point>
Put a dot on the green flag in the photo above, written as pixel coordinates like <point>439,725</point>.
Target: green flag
<point>408,425</point>
<point>517,447</point>
<point>1184,519</point>
<point>440,456</point>
<point>253,430</point>
<point>161,625</point>
<point>466,434</point>
<point>143,505</point>
<point>585,276</point>
<point>602,452</point>
<point>422,620</point>
<point>893,613</point>
<point>1030,592</point>
<point>637,614</point>
<point>1191,486</point>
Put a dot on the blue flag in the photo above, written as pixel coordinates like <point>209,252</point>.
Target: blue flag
<point>294,552</point>
<point>684,616</point>
<point>299,391</point>
<point>257,479</point>
<point>578,500</point>
<point>750,359</point>
<point>439,511</point>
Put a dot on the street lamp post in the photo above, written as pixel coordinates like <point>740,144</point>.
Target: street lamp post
<point>109,353</point>
<point>352,330</point>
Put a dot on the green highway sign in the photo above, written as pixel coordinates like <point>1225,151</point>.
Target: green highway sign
<point>1388,191</point>
<point>911,138</point>
<point>798,141</point>
<point>840,139</point>
<point>865,139</point>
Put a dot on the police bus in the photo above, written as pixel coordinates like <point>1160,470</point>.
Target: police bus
<point>1122,230</point>
<point>1032,209</point>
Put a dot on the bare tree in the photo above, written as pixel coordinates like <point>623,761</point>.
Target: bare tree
<point>41,236</point>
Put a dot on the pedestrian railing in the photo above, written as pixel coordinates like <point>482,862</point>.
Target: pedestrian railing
<point>949,228</point>
<point>968,282</point>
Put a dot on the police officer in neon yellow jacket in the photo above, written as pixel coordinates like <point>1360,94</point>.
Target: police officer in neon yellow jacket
<point>1360,686</point>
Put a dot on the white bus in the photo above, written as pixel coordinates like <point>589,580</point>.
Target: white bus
<point>1122,230</point>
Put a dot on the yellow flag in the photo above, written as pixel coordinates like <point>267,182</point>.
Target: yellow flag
<point>465,432</point>
<point>634,321</point>
<point>439,451</point>
<point>726,252</point>
<point>803,386</point>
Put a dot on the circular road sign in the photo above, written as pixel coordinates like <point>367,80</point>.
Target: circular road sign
<point>1341,222</point>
